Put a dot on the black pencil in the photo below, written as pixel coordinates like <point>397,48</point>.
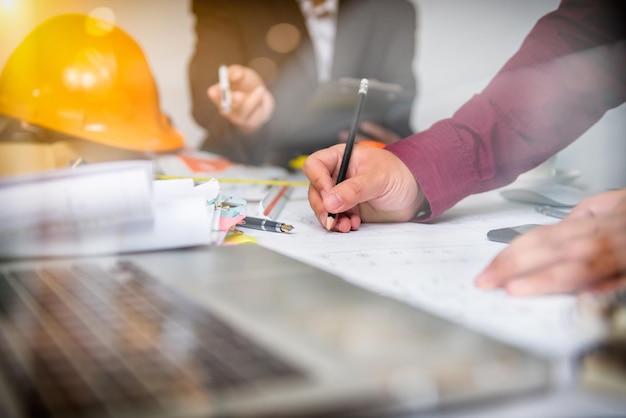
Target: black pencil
<point>343,169</point>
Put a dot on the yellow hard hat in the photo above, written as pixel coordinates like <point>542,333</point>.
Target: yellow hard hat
<point>87,78</point>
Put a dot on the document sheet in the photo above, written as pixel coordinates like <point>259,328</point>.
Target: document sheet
<point>433,267</point>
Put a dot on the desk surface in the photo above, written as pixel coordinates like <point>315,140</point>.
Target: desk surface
<point>433,266</point>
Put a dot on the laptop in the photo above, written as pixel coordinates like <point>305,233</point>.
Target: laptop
<point>232,331</point>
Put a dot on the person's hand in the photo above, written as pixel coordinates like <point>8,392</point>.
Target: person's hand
<point>378,187</point>
<point>252,104</point>
<point>583,252</point>
<point>373,132</point>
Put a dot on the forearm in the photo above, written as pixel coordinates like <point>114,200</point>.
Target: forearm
<point>532,109</point>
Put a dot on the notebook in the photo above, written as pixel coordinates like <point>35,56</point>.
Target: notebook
<point>231,331</point>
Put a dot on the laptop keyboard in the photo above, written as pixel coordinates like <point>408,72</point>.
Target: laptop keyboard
<point>76,341</point>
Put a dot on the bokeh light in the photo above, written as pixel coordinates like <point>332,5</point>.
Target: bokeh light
<point>283,37</point>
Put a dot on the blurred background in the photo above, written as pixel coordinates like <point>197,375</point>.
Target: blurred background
<point>460,46</point>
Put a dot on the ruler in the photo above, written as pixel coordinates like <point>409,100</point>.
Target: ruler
<point>274,201</point>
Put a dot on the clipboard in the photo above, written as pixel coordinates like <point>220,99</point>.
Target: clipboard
<point>331,107</point>
<point>340,96</point>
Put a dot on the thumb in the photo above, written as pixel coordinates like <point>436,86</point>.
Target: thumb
<point>344,196</point>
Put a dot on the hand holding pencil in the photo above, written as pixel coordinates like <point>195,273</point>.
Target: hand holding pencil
<point>378,188</point>
<point>373,186</point>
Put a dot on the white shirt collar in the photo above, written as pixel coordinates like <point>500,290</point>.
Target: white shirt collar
<point>325,9</point>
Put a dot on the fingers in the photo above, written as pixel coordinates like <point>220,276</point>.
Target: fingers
<point>249,111</point>
<point>325,196</point>
<point>566,277</point>
<point>236,73</point>
<point>236,78</point>
<point>319,167</point>
<point>566,257</point>
<point>346,214</point>
<point>532,251</point>
<point>359,186</point>
<point>254,109</point>
<point>378,187</point>
<point>599,204</point>
<point>347,194</point>
<point>343,222</point>
<point>252,104</point>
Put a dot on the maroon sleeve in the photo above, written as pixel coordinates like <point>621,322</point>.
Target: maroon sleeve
<point>569,71</point>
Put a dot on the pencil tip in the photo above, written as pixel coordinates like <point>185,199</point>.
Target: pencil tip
<point>330,221</point>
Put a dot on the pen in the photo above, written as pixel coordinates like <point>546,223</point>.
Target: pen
<point>265,224</point>
<point>343,169</point>
<point>224,88</point>
<point>550,211</point>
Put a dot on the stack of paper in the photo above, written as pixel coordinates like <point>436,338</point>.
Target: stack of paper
<point>107,208</point>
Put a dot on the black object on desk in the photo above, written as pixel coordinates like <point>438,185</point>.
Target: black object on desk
<point>265,224</point>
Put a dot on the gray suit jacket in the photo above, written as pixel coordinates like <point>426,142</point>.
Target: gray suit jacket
<point>375,39</point>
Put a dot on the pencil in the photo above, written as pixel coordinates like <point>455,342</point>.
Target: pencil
<point>347,153</point>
